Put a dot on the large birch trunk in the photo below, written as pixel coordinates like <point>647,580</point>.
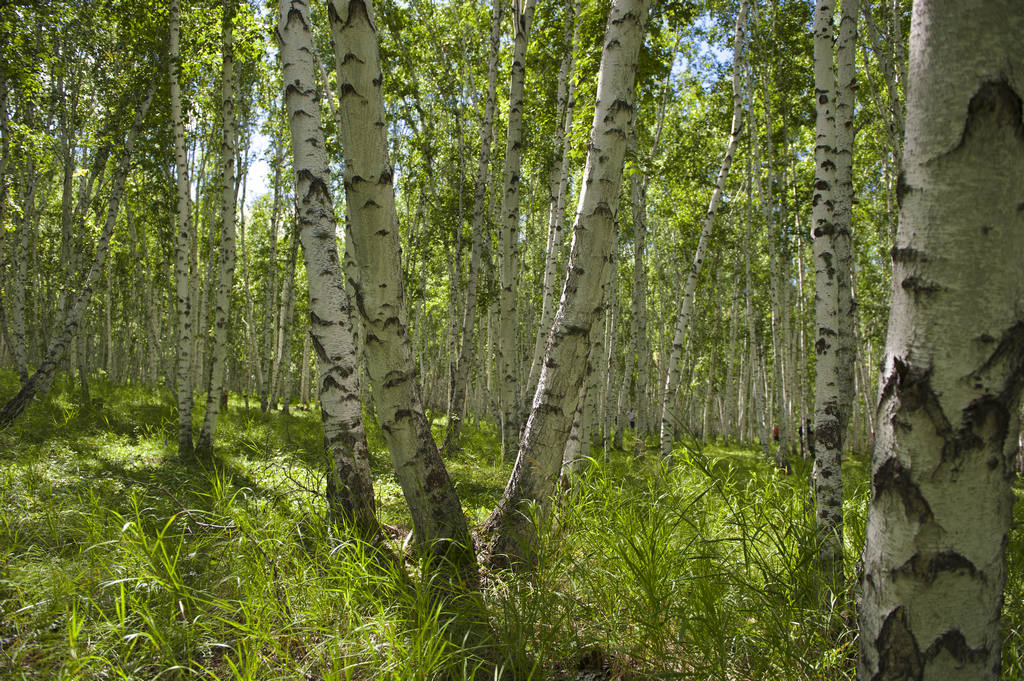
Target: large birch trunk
<point>683,320</point>
<point>439,524</point>
<point>226,261</point>
<point>349,488</point>
<point>827,476</point>
<point>949,405</point>
<point>540,454</point>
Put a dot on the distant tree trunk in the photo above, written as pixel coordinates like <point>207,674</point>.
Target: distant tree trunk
<point>508,235</point>
<point>40,380</point>
<point>270,305</point>
<point>460,374</point>
<point>226,262</point>
<point>283,359</point>
<point>439,524</point>
<point>349,487</point>
<point>828,423</point>
<point>557,185</point>
<point>683,320</point>
<point>540,455</point>
<point>948,414</point>
<point>185,233</point>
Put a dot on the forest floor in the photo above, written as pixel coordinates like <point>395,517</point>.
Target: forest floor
<point>120,561</point>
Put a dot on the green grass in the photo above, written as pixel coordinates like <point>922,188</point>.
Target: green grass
<point>120,561</point>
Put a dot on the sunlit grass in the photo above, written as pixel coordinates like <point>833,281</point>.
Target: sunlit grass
<point>118,560</point>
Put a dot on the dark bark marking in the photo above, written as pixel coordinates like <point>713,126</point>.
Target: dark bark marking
<point>927,567</point>
<point>994,105</point>
<point>955,644</point>
<point>892,477</point>
<point>899,657</point>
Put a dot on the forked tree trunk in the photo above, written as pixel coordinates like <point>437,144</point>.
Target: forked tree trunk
<point>439,524</point>
<point>540,454</point>
<point>226,262</point>
<point>349,488</point>
<point>949,407</point>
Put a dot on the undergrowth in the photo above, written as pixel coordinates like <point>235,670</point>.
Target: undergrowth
<point>118,560</point>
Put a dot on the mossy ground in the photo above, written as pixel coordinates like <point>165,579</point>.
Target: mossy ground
<point>118,560</point>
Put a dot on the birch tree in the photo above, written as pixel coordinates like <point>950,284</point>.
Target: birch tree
<point>226,260</point>
<point>439,525</point>
<point>508,234</point>
<point>349,488</point>
<point>183,242</point>
<point>948,412</point>
<point>40,380</point>
<point>537,467</point>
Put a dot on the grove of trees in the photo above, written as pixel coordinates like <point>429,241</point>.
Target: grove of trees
<point>625,228</point>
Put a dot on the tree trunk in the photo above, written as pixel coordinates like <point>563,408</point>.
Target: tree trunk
<point>226,262</point>
<point>540,455</point>
<point>349,487</point>
<point>828,421</point>
<point>439,524</point>
<point>948,413</point>
<point>508,235</point>
<point>183,244</point>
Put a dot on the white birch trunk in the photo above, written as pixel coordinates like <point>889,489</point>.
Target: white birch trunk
<point>540,455</point>
<point>828,422</point>
<point>949,406</point>
<point>226,260</point>
<point>508,235</point>
<point>349,487</point>
<point>184,234</point>
<point>439,524</point>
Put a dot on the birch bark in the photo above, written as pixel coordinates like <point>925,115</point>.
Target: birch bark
<point>508,234</point>
<point>226,261</point>
<point>827,476</point>
<point>439,524</point>
<point>949,405</point>
<point>349,488</point>
<point>540,454</point>
<point>183,241</point>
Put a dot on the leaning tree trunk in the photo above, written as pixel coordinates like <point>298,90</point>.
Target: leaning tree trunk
<point>439,525</point>
<point>183,243</point>
<point>349,488</point>
<point>508,235</point>
<point>948,413</point>
<point>40,380</point>
<point>828,422</point>
<point>540,454</point>
<point>226,262</point>
<point>683,320</point>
